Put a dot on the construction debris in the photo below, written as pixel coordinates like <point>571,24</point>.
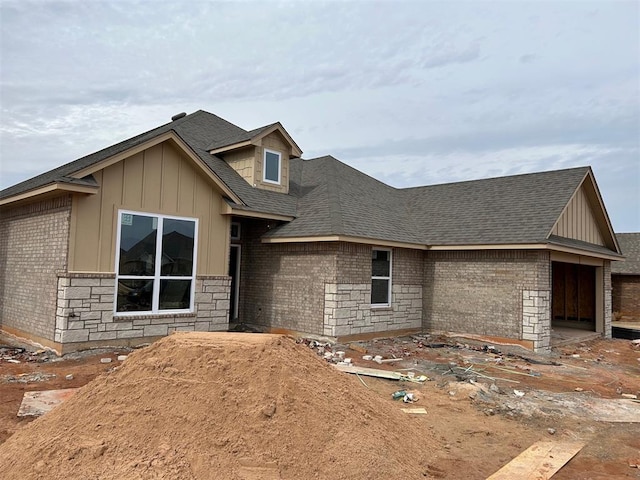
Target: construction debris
<point>230,403</point>
<point>35,404</point>
<point>540,461</point>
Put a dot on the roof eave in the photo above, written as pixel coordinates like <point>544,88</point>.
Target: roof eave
<point>296,152</point>
<point>171,135</point>
<point>54,187</point>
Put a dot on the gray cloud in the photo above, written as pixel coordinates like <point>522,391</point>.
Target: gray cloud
<point>404,90</point>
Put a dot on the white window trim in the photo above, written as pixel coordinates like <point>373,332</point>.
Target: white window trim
<point>390,278</point>
<point>264,167</point>
<point>155,302</point>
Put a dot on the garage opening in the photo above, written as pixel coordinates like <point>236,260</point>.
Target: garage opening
<point>574,295</point>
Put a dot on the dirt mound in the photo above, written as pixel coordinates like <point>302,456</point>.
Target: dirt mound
<point>232,406</point>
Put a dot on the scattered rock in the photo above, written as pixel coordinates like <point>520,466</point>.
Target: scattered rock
<point>122,358</point>
<point>518,393</point>
<point>629,395</point>
<point>69,377</point>
<point>105,360</point>
<point>551,431</point>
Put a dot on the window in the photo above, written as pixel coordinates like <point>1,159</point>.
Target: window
<point>155,263</point>
<point>235,230</point>
<point>381,278</point>
<point>271,167</point>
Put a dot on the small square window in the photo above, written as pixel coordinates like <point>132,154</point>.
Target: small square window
<point>272,166</point>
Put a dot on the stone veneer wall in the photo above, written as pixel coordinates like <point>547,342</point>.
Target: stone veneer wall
<point>347,302</point>
<point>607,299</point>
<point>34,242</point>
<point>502,293</point>
<point>626,297</point>
<point>86,301</point>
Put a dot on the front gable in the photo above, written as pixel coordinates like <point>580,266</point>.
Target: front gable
<point>585,219</point>
<point>261,158</point>
<point>161,179</point>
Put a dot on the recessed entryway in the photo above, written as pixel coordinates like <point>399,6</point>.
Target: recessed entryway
<point>234,273</point>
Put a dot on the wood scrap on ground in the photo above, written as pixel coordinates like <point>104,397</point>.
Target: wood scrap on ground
<point>415,411</point>
<point>369,372</point>
<point>35,404</point>
<point>539,462</point>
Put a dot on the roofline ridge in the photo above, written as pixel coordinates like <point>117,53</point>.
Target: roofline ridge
<point>499,177</point>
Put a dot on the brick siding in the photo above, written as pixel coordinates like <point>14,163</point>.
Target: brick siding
<point>323,288</point>
<point>488,293</point>
<point>282,285</point>
<point>34,242</point>
<point>626,297</point>
<point>348,308</point>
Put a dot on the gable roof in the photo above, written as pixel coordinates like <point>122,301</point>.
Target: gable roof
<point>197,131</point>
<point>238,139</point>
<point>630,246</point>
<point>328,199</point>
<point>337,200</point>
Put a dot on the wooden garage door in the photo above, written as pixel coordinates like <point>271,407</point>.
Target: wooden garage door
<point>574,295</point>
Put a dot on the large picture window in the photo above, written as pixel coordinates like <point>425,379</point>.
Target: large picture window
<point>272,166</point>
<point>155,263</point>
<point>381,278</point>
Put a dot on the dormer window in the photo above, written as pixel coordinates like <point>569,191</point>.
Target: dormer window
<point>272,166</point>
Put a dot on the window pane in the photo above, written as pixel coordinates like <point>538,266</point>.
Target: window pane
<point>271,166</point>
<point>134,295</point>
<point>177,247</point>
<point>175,294</point>
<point>137,244</point>
<point>381,265</point>
<point>380,291</point>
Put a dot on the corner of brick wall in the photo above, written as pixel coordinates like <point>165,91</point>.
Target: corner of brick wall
<point>34,242</point>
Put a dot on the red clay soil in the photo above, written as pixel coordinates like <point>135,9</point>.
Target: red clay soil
<point>233,406</point>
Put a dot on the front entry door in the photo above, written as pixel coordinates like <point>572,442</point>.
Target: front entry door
<point>234,273</point>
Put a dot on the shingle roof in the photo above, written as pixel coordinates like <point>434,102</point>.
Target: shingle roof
<point>236,137</point>
<point>198,130</point>
<point>630,246</point>
<point>336,199</point>
<point>328,198</point>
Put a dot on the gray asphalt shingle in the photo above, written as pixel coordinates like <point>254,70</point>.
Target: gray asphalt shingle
<point>630,246</point>
<point>328,198</point>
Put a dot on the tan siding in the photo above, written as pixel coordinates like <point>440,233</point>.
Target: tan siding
<point>243,161</point>
<point>111,197</point>
<point>578,221</point>
<point>275,142</point>
<point>158,180</point>
<point>132,175</point>
<point>170,171</point>
<point>152,179</point>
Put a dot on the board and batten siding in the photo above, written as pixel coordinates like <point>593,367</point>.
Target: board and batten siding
<point>158,180</point>
<point>578,221</point>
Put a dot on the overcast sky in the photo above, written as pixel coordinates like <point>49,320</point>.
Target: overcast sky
<point>412,93</point>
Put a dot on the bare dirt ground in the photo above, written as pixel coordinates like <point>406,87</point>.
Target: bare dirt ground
<point>478,423</point>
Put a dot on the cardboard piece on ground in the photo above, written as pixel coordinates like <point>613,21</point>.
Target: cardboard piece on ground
<point>369,372</point>
<point>415,411</point>
<point>538,462</point>
<point>35,404</point>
